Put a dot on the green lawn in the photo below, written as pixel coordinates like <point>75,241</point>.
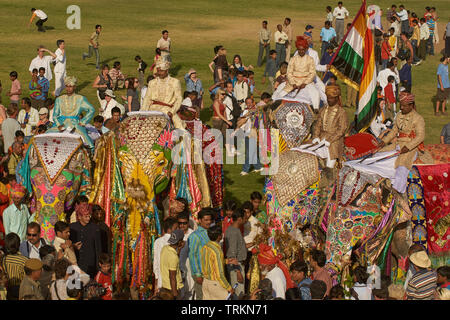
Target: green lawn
<point>132,28</point>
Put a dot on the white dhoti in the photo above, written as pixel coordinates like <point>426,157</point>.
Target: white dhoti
<point>320,150</point>
<point>310,94</point>
<point>384,168</point>
<point>59,82</point>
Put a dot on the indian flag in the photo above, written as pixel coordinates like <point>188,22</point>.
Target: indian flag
<point>354,63</point>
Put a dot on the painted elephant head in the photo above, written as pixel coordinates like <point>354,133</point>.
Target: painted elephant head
<point>56,169</point>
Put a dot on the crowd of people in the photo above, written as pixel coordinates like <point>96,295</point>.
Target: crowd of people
<point>208,259</point>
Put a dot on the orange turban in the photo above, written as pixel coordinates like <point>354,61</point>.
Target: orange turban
<point>18,190</point>
<point>301,42</point>
<point>266,256</point>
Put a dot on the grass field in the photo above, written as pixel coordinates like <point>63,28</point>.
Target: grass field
<point>133,27</point>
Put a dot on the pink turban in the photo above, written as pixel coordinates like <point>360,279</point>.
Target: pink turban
<point>406,97</point>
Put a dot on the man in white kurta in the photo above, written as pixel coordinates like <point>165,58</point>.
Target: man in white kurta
<point>164,94</point>
<point>42,61</point>
<point>60,67</point>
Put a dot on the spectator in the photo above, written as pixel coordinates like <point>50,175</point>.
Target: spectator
<point>103,82</point>
<point>445,134</point>
<point>402,15</point>
<point>16,91</point>
<point>30,285</point>
<point>415,42</point>
<point>58,288</point>
<point>60,67</point>
<point>299,274</point>
<point>108,104</point>
<point>47,254</point>
<point>196,241</point>
<point>170,264</point>
<point>13,265</point>
<point>340,13</point>
<point>281,75</point>
<point>15,157</point>
<point>98,217</point>
<point>293,294</point>
<point>62,242</point>
<point>141,70</point>
<point>93,46</point>
<point>443,86</point>
<point>287,29</point>
<point>270,70</point>
<point>133,103</point>
<point>169,225</point>
<point>193,83</point>
<point>42,61</point>
<point>39,87</point>
<point>423,282</point>
<point>30,248</point>
<point>385,51</point>
<point>318,290</point>
<point>308,34</point>
<point>360,289</point>
<point>327,35</point>
<point>28,118</point>
<point>317,262</point>
<point>447,39</point>
<point>392,41</point>
<point>188,281</point>
<point>280,38</point>
<point>164,45</point>
<point>264,43</point>
<point>337,293</point>
<point>236,251</point>
<point>329,17</point>
<point>156,59</point>
<point>43,120</point>
<point>42,17</point>
<point>85,235</point>
<point>443,277</point>
<point>117,76</point>
<point>103,276</point>
<point>424,36</point>
<point>16,216</point>
<point>215,286</point>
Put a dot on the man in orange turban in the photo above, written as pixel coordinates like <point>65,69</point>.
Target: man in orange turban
<point>301,73</point>
<point>274,269</point>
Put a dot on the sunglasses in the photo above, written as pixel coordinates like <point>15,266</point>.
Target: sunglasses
<point>180,222</point>
<point>32,234</point>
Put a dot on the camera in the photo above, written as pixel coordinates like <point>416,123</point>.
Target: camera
<point>93,290</point>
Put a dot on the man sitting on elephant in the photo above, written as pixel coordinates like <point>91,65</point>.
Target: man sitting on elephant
<point>68,109</point>
<point>164,94</point>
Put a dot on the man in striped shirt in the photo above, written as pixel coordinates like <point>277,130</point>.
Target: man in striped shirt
<point>215,285</point>
<point>423,282</point>
<point>14,265</point>
<point>196,241</point>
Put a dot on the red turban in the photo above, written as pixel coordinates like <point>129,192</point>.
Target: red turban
<point>266,256</point>
<point>18,190</point>
<point>406,97</point>
<point>301,42</point>
<point>83,209</point>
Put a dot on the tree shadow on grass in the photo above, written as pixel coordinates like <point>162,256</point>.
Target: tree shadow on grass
<point>49,28</point>
<point>108,61</point>
<point>206,114</point>
<point>83,85</point>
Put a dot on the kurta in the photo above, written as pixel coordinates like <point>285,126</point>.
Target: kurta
<point>331,126</point>
<point>301,70</point>
<point>409,129</point>
<point>91,247</point>
<point>168,91</point>
<point>67,112</point>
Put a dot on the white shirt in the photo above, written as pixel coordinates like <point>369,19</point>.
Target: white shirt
<point>159,244</point>
<point>164,44</point>
<point>33,119</point>
<point>340,13</point>
<point>241,92</point>
<point>228,102</point>
<point>187,102</point>
<point>403,15</point>
<point>383,78</point>
<point>45,62</point>
<point>34,252</point>
<point>251,230</point>
<point>40,14</point>
<point>278,279</point>
<point>60,61</point>
<point>107,108</point>
<point>281,35</point>
<point>363,291</point>
<point>184,253</point>
<point>424,32</point>
<point>143,92</point>
<point>313,54</point>
<point>396,26</point>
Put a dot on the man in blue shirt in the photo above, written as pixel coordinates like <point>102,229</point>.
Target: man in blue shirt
<point>196,241</point>
<point>443,85</point>
<point>299,272</point>
<point>327,34</point>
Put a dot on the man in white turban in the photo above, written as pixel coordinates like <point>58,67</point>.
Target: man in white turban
<point>164,94</point>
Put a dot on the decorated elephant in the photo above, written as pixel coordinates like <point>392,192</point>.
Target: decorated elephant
<point>55,170</point>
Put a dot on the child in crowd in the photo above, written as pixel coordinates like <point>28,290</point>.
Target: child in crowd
<point>103,277</point>
<point>63,243</point>
<point>281,75</point>
<point>389,96</point>
<point>256,199</point>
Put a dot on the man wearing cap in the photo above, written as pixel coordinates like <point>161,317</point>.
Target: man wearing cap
<point>409,129</point>
<point>423,282</point>
<point>108,104</point>
<point>68,109</point>
<point>331,125</point>
<point>16,216</point>
<point>274,269</point>
<point>43,118</point>
<point>301,73</point>
<point>30,285</point>
<point>164,94</point>
<point>170,264</point>
<point>193,83</point>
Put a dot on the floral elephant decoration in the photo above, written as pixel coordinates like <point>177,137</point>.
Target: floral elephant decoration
<point>55,170</point>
